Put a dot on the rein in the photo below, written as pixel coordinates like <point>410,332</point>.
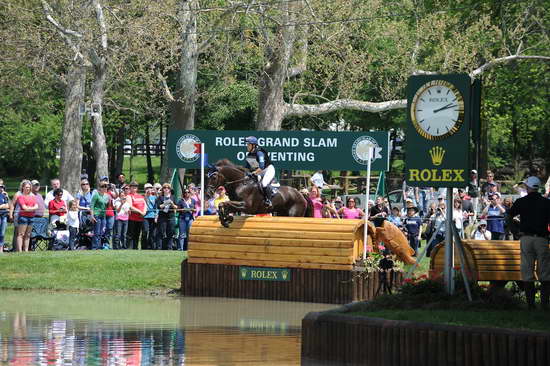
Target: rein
<point>237,181</point>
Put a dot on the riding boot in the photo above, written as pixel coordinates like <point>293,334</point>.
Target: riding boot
<point>267,195</point>
<point>545,295</point>
<point>530,291</point>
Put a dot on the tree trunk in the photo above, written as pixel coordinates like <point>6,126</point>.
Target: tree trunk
<point>183,116</point>
<point>98,136</point>
<point>183,107</point>
<point>71,141</point>
<point>271,106</point>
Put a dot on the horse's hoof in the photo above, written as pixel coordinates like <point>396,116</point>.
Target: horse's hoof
<point>230,219</point>
<point>225,224</point>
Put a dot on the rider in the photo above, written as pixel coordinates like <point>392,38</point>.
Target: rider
<point>258,162</point>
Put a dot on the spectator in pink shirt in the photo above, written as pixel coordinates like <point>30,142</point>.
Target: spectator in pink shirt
<point>27,204</point>
<point>350,211</point>
<point>315,197</point>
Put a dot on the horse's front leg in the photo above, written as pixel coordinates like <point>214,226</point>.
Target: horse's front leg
<point>228,207</point>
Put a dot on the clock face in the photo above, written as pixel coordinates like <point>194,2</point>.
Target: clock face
<point>437,110</point>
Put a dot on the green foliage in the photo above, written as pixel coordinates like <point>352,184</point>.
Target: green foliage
<point>31,130</point>
<point>229,106</point>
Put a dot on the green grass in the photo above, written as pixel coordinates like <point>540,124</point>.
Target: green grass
<point>128,270</point>
<point>516,319</point>
<point>135,168</point>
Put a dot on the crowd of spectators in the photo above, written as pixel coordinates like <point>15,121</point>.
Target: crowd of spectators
<point>121,217</point>
<point>479,212</point>
<point>118,214</point>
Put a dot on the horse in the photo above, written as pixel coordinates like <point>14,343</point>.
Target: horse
<point>245,194</point>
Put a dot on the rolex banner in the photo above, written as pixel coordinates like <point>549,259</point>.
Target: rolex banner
<point>297,150</point>
<point>437,137</point>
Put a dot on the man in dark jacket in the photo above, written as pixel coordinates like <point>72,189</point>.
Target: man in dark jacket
<point>534,212</point>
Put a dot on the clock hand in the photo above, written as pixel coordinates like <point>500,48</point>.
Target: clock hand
<point>450,105</point>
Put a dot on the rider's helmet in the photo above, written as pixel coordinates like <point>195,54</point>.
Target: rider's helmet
<point>251,140</point>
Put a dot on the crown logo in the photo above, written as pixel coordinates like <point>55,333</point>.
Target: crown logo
<point>285,274</point>
<point>437,154</point>
<point>243,272</point>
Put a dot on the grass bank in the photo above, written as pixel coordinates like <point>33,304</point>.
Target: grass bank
<point>425,300</point>
<point>515,319</point>
<point>106,270</point>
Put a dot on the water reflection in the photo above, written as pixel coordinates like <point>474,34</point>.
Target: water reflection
<point>39,328</point>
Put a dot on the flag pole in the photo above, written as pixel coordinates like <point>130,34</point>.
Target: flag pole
<point>202,179</point>
<point>365,231</point>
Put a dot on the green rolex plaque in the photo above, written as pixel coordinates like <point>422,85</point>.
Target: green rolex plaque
<point>437,141</point>
<point>264,274</point>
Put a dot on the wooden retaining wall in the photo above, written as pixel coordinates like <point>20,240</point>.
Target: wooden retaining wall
<point>331,338</point>
<point>307,285</point>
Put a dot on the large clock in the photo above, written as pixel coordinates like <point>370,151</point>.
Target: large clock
<point>437,110</point>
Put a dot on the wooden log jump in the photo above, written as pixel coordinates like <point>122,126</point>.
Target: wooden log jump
<point>488,260</point>
<point>277,242</point>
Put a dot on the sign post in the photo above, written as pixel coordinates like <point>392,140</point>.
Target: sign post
<point>438,142</point>
<point>202,178</point>
<point>367,211</point>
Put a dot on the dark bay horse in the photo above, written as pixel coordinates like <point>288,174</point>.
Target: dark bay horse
<point>245,194</point>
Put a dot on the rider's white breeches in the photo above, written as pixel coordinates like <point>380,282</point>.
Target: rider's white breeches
<point>268,175</point>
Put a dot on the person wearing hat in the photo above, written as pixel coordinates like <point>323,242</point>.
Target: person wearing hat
<point>135,219</point>
<point>534,213</point>
<point>158,188</point>
<point>338,202</point>
<point>472,189</point>
<point>4,210</point>
<point>481,232</point>
<point>412,224</point>
<point>39,199</point>
<point>408,203</point>
<point>166,206</point>
<point>258,162</point>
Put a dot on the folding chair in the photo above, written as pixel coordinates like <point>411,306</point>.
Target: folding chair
<point>41,238</point>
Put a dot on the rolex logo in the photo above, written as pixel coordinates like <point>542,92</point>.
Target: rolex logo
<point>284,274</point>
<point>437,154</point>
<point>243,272</point>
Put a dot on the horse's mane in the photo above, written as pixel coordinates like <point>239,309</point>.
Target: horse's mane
<point>228,163</point>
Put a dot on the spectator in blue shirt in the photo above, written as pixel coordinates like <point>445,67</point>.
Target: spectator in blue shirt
<point>395,217</point>
<point>148,239</point>
<point>494,212</point>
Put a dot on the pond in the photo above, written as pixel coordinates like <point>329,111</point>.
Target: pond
<point>42,328</point>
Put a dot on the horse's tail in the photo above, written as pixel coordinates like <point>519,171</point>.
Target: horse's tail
<point>309,206</point>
